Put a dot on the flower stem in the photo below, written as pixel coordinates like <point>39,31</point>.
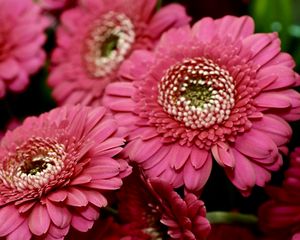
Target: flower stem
<point>158,4</point>
<point>230,218</point>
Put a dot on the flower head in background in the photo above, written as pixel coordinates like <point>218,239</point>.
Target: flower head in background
<point>155,208</point>
<point>21,38</point>
<point>216,89</point>
<point>54,170</point>
<point>280,217</point>
<point>96,37</point>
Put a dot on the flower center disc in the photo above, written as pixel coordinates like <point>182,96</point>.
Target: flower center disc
<point>197,92</point>
<point>109,41</point>
<point>34,164</point>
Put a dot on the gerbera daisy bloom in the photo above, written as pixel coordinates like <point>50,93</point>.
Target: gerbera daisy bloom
<point>54,170</point>
<point>97,36</point>
<point>279,217</point>
<point>21,40</point>
<point>154,207</point>
<point>215,89</point>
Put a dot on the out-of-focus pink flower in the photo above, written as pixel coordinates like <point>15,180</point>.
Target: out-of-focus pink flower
<point>54,170</point>
<point>280,216</point>
<point>153,205</point>
<point>215,89</point>
<point>21,40</point>
<point>97,36</point>
<point>230,231</point>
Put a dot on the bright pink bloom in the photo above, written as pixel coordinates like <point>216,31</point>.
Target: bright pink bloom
<point>54,170</point>
<point>12,124</point>
<point>153,205</point>
<point>280,216</point>
<point>215,89</point>
<point>97,36</point>
<point>21,40</point>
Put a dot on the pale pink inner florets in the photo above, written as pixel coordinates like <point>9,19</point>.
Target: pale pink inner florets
<point>109,41</point>
<point>197,92</point>
<point>34,164</point>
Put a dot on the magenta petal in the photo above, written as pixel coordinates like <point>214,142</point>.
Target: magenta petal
<point>125,89</point>
<point>59,215</point>
<point>58,196</point>
<point>12,220</point>
<point>57,233</point>
<point>76,198</point>
<point>242,175</point>
<point>170,16</point>
<point>256,144</point>
<point>272,100</point>
<point>89,212</point>
<point>199,157</point>
<point>278,129</point>
<point>223,156</point>
<point>106,184</point>
<point>284,77</point>
<point>20,233</point>
<point>205,29</point>
<point>195,179</point>
<point>9,69</point>
<point>95,198</point>
<point>81,224</point>
<point>178,156</point>
<point>39,220</point>
<point>236,28</point>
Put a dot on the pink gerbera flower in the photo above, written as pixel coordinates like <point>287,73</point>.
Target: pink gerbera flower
<point>215,89</point>
<point>153,205</point>
<point>97,36</point>
<point>21,40</point>
<point>280,216</point>
<point>54,170</point>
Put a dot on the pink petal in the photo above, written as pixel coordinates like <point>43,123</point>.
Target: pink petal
<point>106,184</point>
<point>195,179</point>
<point>89,212</point>
<point>9,69</point>
<point>255,144</point>
<point>204,30</point>
<point>242,175</point>
<point>236,28</point>
<point>59,215</point>
<point>272,100</point>
<point>124,89</point>
<point>21,233</point>
<point>199,157</point>
<point>95,198</point>
<point>39,220</point>
<point>283,77</point>
<point>76,198</point>
<point>278,129</point>
<point>178,156</point>
<point>170,16</point>
<point>81,224</point>
<point>58,196</point>
<point>11,219</point>
<point>223,155</point>
<point>142,150</point>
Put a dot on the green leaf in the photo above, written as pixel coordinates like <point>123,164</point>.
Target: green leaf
<point>273,16</point>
